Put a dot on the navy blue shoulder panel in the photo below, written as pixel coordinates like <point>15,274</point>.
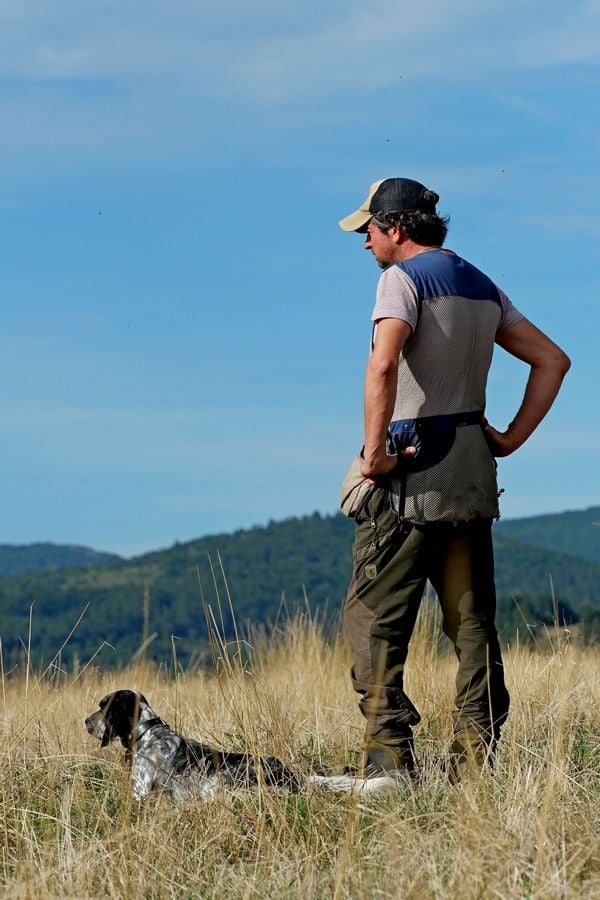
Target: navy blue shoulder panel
<point>439,274</point>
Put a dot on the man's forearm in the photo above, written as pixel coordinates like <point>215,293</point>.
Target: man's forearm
<point>380,397</point>
<point>542,387</point>
<point>381,384</point>
<point>549,365</point>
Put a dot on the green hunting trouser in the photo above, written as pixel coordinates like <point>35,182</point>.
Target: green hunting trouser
<point>392,562</point>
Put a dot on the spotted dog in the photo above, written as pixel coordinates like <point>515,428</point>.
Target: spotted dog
<point>176,766</point>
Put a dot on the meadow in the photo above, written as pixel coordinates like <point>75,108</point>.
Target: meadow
<point>70,827</point>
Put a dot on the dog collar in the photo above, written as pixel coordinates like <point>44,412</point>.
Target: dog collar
<point>143,727</point>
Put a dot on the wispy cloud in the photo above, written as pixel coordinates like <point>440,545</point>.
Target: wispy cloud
<point>91,73</point>
<point>537,110</point>
<point>561,222</point>
<point>571,36</point>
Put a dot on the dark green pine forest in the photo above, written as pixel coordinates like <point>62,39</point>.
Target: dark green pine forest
<point>548,568</point>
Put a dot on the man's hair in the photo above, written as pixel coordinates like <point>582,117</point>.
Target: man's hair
<point>421,227</point>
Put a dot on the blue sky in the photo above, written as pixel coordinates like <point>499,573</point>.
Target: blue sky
<point>184,326</point>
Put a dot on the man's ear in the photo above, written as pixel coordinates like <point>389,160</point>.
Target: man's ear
<point>397,235</point>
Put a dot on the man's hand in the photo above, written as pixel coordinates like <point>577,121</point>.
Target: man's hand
<point>501,443</point>
<point>376,465</point>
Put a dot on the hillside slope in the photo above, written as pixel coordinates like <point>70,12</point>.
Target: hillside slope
<point>16,558</point>
<point>575,532</point>
<point>285,564</point>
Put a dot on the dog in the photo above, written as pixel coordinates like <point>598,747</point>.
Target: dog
<point>181,768</point>
<point>178,767</point>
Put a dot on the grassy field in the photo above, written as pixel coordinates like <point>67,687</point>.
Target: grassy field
<point>71,829</point>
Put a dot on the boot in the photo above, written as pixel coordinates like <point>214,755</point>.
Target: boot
<point>469,755</point>
<point>389,756</point>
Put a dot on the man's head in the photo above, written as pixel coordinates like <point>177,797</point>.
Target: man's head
<point>398,204</point>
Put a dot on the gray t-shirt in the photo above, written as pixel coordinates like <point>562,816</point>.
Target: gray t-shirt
<point>455,312</point>
<point>397,298</point>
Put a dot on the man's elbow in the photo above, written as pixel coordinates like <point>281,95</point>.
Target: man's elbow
<point>384,368</point>
<point>554,362</point>
<point>562,363</point>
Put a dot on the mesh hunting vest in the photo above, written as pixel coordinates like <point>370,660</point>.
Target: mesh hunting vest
<point>441,394</point>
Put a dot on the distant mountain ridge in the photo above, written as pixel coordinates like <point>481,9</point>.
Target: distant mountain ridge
<point>165,593</point>
<point>40,557</point>
<point>576,532</point>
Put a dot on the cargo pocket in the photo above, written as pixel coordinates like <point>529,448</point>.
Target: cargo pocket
<point>379,535</point>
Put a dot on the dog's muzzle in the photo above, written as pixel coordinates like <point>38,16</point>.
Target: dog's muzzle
<point>97,726</point>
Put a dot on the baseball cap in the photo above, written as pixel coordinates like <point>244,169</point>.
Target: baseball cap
<point>390,195</point>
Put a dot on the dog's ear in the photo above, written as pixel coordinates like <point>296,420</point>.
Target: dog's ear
<point>108,734</point>
<point>121,710</point>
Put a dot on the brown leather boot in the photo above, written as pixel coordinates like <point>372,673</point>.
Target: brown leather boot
<point>390,756</point>
<point>470,754</point>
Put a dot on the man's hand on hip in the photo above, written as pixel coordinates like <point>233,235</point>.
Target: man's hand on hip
<point>501,443</point>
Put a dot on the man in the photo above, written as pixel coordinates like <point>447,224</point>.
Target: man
<point>427,491</point>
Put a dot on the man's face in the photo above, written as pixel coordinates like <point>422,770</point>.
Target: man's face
<point>382,245</point>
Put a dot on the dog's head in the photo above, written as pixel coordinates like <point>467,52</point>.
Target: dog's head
<point>117,717</point>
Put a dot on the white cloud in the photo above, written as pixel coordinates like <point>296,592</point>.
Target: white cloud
<point>96,78</point>
<point>244,48</point>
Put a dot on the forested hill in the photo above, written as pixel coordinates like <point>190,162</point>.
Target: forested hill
<point>576,532</point>
<point>16,558</point>
<point>286,564</point>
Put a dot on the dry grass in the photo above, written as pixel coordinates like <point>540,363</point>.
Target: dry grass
<point>71,829</point>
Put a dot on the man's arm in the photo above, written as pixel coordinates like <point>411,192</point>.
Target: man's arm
<point>381,383</point>
<point>549,365</point>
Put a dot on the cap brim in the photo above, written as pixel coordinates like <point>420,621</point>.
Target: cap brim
<point>356,220</point>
